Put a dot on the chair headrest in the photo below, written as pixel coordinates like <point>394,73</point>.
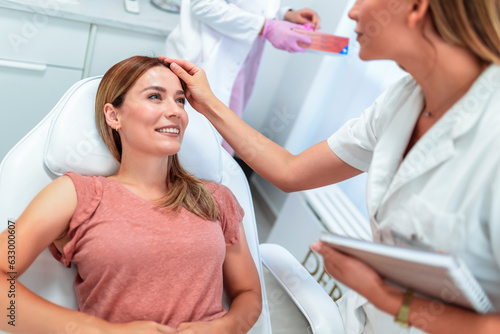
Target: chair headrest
<point>74,143</point>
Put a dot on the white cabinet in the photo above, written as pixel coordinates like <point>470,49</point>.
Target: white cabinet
<point>40,58</point>
<point>113,45</point>
<point>26,96</point>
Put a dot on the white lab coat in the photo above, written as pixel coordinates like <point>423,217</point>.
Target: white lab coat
<point>446,191</point>
<point>218,36</point>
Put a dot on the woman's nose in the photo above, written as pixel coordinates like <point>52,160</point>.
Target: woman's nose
<point>353,12</point>
<point>172,109</point>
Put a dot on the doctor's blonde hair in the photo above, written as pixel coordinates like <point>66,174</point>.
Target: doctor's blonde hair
<point>185,190</point>
<point>473,24</point>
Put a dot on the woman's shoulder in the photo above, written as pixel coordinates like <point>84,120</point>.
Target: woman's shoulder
<point>229,206</point>
<point>86,185</point>
<point>215,188</point>
<point>61,187</point>
<point>221,193</point>
<point>76,177</point>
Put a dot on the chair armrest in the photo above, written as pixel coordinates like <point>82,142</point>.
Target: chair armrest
<point>317,307</point>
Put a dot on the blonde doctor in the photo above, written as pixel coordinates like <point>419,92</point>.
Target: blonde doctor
<point>226,39</point>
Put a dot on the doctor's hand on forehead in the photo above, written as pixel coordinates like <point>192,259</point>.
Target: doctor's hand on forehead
<point>198,91</point>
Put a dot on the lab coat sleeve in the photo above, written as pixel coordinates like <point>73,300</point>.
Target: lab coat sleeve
<point>228,19</point>
<point>282,12</point>
<point>355,141</point>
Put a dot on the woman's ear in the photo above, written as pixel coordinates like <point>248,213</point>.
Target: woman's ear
<point>418,12</point>
<point>111,115</point>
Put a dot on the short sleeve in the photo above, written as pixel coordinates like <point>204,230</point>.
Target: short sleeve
<point>355,141</point>
<point>89,195</point>
<point>230,213</point>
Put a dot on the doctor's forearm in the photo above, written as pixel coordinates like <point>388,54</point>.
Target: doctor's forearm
<point>267,158</point>
<point>315,167</point>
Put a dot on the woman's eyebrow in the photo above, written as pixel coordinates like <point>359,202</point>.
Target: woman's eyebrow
<point>158,88</point>
<point>163,90</point>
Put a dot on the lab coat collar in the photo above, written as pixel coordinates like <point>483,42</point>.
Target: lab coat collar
<point>391,146</point>
<point>435,147</point>
<point>469,109</point>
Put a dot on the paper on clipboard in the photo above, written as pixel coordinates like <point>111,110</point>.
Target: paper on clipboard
<point>432,274</point>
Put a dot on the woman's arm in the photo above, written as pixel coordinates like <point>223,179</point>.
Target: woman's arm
<point>242,284</point>
<point>428,315</point>
<point>44,220</point>
<point>317,166</point>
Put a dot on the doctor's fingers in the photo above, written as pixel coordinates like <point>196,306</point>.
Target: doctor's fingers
<point>197,90</point>
<point>298,46</point>
<point>333,260</point>
<point>312,17</point>
<point>347,269</point>
<point>189,67</point>
<point>197,83</point>
<point>305,15</point>
<point>191,74</point>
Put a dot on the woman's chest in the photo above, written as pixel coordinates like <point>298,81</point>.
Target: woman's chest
<point>133,243</point>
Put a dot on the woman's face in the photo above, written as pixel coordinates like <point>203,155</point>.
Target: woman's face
<point>380,27</point>
<point>152,118</point>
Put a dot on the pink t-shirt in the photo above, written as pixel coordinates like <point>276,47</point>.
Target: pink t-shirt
<point>138,262</point>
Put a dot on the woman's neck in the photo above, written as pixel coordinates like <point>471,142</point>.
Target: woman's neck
<point>146,175</point>
<point>445,73</point>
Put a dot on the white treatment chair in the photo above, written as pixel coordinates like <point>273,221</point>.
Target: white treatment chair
<point>67,140</point>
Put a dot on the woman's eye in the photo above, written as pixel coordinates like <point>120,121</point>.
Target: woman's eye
<point>182,100</point>
<point>155,96</point>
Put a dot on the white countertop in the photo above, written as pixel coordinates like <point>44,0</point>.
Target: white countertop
<point>109,13</point>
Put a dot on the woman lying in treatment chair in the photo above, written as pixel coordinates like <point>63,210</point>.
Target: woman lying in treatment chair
<point>154,246</point>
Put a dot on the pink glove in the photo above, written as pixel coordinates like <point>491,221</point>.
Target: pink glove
<point>308,27</point>
<point>282,37</point>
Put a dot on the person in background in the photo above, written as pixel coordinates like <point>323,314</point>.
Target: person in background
<point>153,245</point>
<point>226,39</point>
<point>429,145</point>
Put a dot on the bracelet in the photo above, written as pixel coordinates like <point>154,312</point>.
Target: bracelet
<point>404,311</point>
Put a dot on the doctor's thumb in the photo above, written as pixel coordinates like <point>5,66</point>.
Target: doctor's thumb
<point>316,246</point>
<point>323,250</point>
<point>180,72</point>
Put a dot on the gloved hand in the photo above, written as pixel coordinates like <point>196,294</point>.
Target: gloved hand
<point>282,37</point>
